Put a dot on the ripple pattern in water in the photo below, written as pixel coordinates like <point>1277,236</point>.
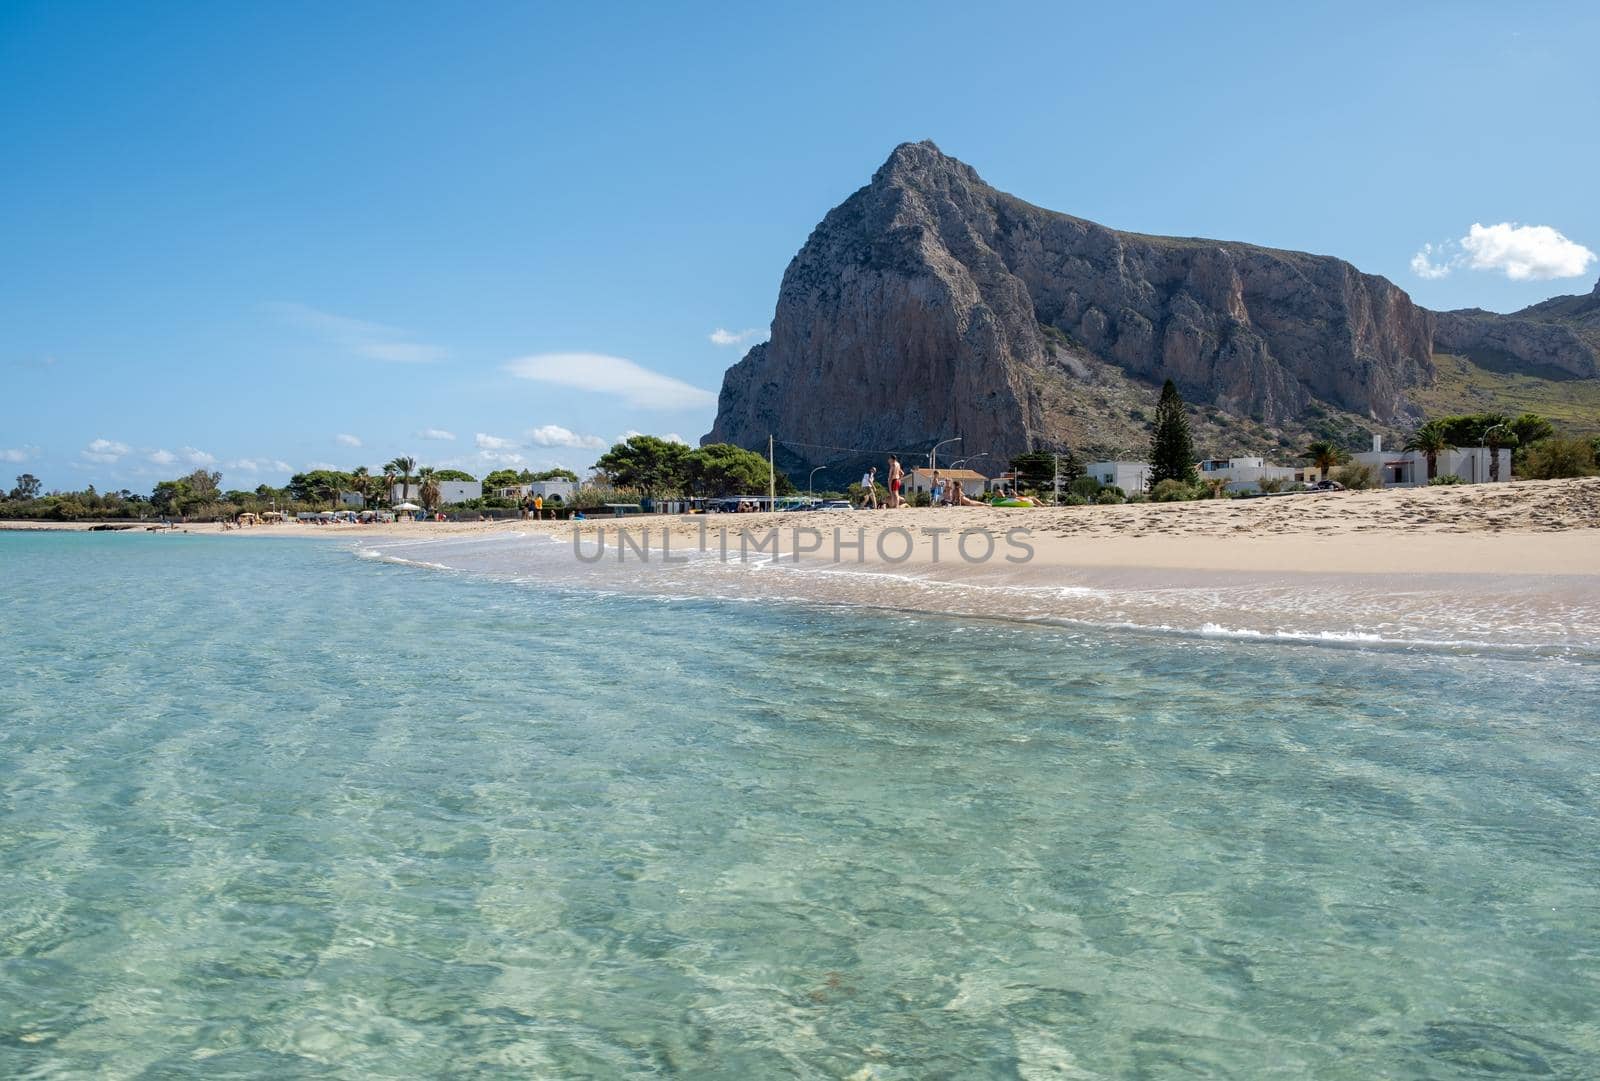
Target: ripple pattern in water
<point>270,811</point>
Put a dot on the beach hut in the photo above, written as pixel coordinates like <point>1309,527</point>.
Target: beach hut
<point>409,509</point>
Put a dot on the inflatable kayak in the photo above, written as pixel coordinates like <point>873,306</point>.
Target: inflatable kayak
<point>1013,503</point>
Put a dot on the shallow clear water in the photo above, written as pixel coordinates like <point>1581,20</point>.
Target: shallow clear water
<point>270,810</point>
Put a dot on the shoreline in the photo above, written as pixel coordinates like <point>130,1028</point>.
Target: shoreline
<point>1517,528</point>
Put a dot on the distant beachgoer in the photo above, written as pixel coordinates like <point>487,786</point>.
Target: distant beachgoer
<point>938,490</point>
<point>896,479</point>
<point>538,507</point>
<point>869,488</point>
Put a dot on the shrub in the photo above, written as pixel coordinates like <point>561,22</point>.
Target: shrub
<point>1446,479</point>
<point>1087,487</point>
<point>1108,497</point>
<point>1549,459</point>
<point>1138,497</point>
<point>1357,476</point>
<point>1272,484</point>
<point>1073,499</point>
<point>1171,490</point>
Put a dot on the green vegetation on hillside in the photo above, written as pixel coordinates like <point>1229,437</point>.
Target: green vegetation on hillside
<point>1466,387</point>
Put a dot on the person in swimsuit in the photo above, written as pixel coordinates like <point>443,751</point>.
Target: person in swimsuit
<point>896,479</point>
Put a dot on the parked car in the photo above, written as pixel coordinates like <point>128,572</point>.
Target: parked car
<point>834,504</point>
<point>1327,486</point>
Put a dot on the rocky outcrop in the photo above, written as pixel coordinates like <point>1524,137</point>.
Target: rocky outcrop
<point>929,305</point>
<point>1540,347</point>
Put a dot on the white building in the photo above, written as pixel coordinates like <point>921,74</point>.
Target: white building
<point>551,491</point>
<point>352,499</point>
<point>458,491</point>
<point>450,491</point>
<point>1403,468</point>
<point>1246,474</point>
<point>1129,476</point>
<point>972,483</point>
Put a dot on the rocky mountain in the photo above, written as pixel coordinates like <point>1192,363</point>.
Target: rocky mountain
<point>1561,335</point>
<point>930,305</point>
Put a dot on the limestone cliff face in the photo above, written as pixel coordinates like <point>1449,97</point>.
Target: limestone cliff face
<point>930,305</point>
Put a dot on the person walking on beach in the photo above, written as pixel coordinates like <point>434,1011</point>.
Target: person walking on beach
<point>869,489</point>
<point>937,495</point>
<point>538,507</point>
<point>897,477</point>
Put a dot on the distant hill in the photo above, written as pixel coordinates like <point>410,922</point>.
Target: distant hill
<point>930,305</point>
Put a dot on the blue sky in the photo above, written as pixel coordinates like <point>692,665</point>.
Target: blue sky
<point>254,235</point>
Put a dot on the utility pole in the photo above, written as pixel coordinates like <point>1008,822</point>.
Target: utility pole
<point>772,477</point>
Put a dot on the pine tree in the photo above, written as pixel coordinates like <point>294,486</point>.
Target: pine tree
<point>1171,449</point>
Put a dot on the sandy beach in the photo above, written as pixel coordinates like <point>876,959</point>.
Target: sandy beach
<point>1518,528</point>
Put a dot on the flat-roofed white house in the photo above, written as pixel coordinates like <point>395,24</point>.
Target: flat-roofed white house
<point>1129,476</point>
<point>459,491</point>
<point>972,483</point>
<point>352,499</point>
<point>551,491</point>
<point>1403,468</point>
<point>1246,474</point>
<point>450,491</point>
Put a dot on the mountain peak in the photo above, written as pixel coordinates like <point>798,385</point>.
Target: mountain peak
<point>909,162</point>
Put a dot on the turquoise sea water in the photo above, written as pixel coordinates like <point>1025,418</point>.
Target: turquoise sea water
<point>270,810</point>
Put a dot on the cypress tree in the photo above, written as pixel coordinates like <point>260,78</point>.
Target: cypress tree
<point>1171,449</point>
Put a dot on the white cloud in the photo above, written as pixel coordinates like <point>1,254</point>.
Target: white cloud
<point>639,387</point>
<point>260,465</point>
<point>312,467</point>
<point>723,336</point>
<point>197,457</point>
<point>346,440</point>
<point>436,433</point>
<point>105,450</point>
<point>19,454</point>
<point>162,457</point>
<point>499,457</point>
<point>1525,252</point>
<point>374,341</point>
<point>1422,264</point>
<point>493,442</point>
<point>554,435</point>
<point>1521,252</point>
<point>670,437</point>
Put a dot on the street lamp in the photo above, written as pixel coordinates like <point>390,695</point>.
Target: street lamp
<point>933,455</point>
<point>813,476</point>
<point>1494,450</point>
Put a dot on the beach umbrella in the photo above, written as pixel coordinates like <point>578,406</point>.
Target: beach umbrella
<point>408,506</point>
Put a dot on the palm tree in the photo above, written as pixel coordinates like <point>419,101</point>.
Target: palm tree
<point>1497,433</point>
<point>1432,439</point>
<point>1325,455</point>
<point>402,467</point>
<point>328,489</point>
<point>429,491</point>
<point>361,481</point>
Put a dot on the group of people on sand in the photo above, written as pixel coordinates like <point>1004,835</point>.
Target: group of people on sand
<point>945,492</point>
